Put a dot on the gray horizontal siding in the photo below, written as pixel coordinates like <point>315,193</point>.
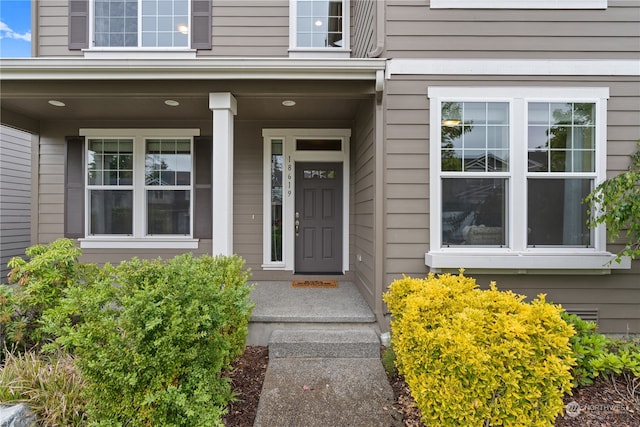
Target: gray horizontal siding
<point>15,195</point>
<point>115,256</point>
<point>363,207</point>
<point>52,33</point>
<point>250,28</point>
<point>416,31</point>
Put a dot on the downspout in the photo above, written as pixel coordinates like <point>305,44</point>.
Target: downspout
<point>380,28</point>
<point>35,28</point>
<point>379,220</point>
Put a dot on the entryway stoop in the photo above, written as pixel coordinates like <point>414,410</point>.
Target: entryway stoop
<point>279,306</point>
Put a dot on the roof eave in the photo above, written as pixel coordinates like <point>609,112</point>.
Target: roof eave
<point>190,69</point>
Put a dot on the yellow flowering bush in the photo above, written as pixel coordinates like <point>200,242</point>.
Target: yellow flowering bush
<point>477,357</point>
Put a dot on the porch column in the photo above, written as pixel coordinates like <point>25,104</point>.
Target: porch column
<point>223,105</point>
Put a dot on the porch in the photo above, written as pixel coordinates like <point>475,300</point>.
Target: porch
<point>279,306</point>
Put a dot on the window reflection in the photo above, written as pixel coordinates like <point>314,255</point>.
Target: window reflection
<point>276,200</point>
<point>474,211</point>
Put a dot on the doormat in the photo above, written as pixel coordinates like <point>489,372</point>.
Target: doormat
<point>314,284</point>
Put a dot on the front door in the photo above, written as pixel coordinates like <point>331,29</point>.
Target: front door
<point>318,217</point>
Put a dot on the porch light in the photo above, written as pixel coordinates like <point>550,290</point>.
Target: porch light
<point>171,103</point>
<point>56,103</point>
<point>288,102</point>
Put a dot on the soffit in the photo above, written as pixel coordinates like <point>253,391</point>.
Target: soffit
<point>144,100</point>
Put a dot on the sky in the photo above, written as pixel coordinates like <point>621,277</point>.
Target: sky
<point>15,28</point>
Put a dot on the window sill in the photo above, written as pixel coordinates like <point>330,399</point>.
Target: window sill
<point>319,53</point>
<point>274,266</point>
<point>139,53</point>
<point>525,263</point>
<point>133,243</point>
<point>518,4</point>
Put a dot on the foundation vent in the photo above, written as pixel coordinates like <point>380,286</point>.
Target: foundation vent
<point>589,315</point>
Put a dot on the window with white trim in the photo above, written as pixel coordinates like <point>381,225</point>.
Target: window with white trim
<point>319,25</point>
<point>518,4</point>
<point>139,183</point>
<point>509,170</point>
<point>141,23</point>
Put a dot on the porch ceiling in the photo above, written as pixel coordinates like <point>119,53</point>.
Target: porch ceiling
<point>144,100</point>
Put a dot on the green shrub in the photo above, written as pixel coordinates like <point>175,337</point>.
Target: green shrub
<point>153,338</point>
<point>587,345</point>
<point>600,356</point>
<point>621,358</point>
<point>50,385</point>
<point>479,357</point>
<point>37,284</point>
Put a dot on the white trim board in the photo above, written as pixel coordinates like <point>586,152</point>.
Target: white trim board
<point>518,4</point>
<point>191,69</point>
<point>510,67</point>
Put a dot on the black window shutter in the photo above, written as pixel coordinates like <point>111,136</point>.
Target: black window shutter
<point>78,24</point>
<point>202,217</point>
<point>74,187</point>
<point>201,24</point>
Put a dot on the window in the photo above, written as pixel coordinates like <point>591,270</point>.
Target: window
<point>277,180</point>
<point>141,23</point>
<point>139,184</point>
<point>518,4</point>
<point>510,169</point>
<point>319,25</point>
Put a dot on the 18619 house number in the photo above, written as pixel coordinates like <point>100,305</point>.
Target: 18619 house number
<point>289,178</point>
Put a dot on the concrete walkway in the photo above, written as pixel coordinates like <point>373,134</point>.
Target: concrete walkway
<point>329,378</point>
<point>324,359</point>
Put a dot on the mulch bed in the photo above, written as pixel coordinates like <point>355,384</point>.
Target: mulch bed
<point>246,377</point>
<point>600,405</point>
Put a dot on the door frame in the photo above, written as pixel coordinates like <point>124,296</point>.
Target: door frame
<point>291,155</point>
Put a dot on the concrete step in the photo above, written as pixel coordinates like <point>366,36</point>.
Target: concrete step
<point>323,343</point>
<point>279,306</point>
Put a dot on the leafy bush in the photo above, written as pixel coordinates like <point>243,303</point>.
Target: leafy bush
<point>616,203</point>
<point>37,285</point>
<point>600,356</point>
<point>152,338</point>
<point>479,357</point>
<point>587,345</point>
<point>51,386</point>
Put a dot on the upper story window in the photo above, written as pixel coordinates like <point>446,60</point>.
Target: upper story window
<point>510,168</point>
<point>518,4</point>
<point>141,23</point>
<point>129,28</point>
<point>319,25</point>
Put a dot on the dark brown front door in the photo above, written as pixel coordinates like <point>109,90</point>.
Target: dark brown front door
<point>318,218</point>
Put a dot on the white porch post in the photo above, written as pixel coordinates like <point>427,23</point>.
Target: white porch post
<point>224,107</point>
